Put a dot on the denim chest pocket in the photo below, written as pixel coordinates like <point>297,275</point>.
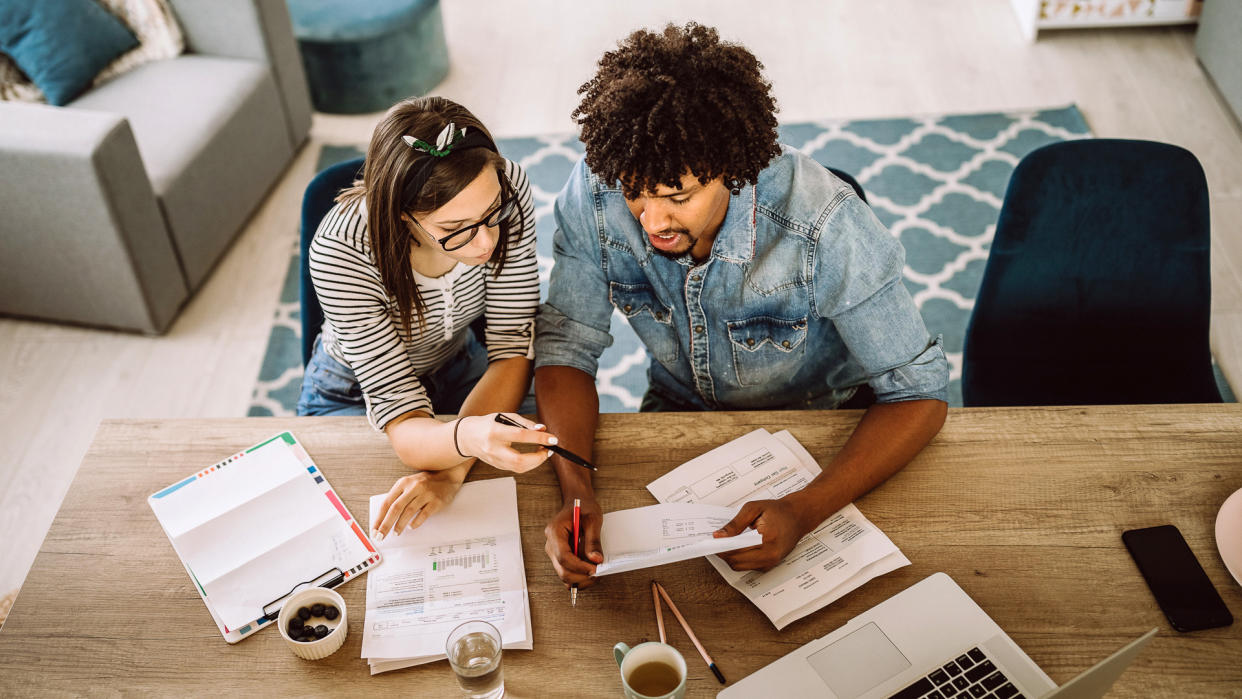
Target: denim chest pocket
<point>650,319</point>
<point>767,349</point>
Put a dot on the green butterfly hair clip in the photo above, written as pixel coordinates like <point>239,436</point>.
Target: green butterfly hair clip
<point>450,136</point>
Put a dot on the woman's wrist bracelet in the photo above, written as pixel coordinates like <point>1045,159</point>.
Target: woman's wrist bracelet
<point>457,424</point>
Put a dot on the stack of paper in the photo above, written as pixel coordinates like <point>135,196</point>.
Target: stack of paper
<point>841,554</point>
<point>463,564</point>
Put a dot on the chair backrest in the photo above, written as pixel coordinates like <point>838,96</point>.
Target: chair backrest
<point>316,202</point>
<point>849,179</point>
<point>1097,288</point>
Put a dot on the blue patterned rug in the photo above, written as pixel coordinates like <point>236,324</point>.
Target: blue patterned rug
<point>937,182</point>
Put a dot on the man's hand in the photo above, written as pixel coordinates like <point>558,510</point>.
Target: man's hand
<point>780,523</point>
<point>416,497</point>
<point>559,547</point>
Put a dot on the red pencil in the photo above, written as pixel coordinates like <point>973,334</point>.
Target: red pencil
<point>573,590</point>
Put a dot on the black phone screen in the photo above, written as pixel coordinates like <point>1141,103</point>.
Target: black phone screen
<point>1180,586</point>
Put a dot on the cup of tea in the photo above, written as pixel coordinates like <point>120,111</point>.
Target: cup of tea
<point>651,670</point>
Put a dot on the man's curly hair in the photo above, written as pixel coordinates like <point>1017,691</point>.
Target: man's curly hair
<point>664,103</point>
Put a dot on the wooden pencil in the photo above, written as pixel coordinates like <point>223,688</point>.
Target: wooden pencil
<point>693,639</point>
<point>655,597</point>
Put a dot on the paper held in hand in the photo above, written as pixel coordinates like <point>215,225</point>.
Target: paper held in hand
<point>465,563</point>
<point>657,534</point>
<point>841,554</point>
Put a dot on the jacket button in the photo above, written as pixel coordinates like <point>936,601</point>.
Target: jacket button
<point>698,328</point>
<point>750,341</point>
<point>628,307</point>
<point>785,344</point>
<point>694,277</point>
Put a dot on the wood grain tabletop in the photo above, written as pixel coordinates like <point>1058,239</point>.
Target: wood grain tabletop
<point>1023,507</point>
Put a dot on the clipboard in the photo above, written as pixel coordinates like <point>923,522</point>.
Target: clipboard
<point>256,527</point>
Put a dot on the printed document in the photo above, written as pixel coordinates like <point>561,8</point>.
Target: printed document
<point>657,534</point>
<point>841,554</point>
<point>464,563</point>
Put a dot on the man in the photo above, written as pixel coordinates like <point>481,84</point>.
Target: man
<point>755,278</point>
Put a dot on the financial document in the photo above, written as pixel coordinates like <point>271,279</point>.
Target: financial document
<point>843,552</point>
<point>657,534</point>
<point>462,564</point>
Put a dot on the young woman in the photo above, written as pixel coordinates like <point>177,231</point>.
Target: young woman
<point>439,233</point>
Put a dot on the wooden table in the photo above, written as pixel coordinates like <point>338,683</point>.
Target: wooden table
<point>1023,507</point>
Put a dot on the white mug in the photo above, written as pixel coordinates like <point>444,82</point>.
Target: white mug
<point>628,659</point>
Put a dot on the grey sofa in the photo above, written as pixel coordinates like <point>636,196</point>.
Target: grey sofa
<point>115,207</point>
<point>1220,52</point>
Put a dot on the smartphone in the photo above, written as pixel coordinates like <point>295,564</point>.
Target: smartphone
<point>1182,589</point>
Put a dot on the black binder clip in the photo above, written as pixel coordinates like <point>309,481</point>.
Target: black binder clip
<point>333,581</point>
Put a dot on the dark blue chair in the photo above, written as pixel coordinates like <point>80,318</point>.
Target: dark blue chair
<point>319,197</point>
<point>1097,289</point>
<point>849,179</point>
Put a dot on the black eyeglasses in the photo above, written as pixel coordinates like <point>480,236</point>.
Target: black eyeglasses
<point>460,239</point>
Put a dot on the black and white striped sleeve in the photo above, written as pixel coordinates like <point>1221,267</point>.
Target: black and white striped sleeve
<point>513,296</point>
<point>355,302</point>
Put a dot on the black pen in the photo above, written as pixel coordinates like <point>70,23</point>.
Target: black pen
<point>506,420</point>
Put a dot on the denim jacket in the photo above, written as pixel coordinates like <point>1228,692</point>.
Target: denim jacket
<point>799,303</point>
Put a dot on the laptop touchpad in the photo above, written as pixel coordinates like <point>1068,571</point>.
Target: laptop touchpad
<point>858,662</point>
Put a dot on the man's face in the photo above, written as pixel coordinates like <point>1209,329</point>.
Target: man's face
<point>684,220</point>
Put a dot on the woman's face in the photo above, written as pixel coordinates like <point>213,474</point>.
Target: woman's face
<point>463,215</point>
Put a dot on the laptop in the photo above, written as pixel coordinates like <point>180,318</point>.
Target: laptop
<point>928,641</point>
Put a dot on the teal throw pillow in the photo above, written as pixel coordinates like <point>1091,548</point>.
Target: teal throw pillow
<point>61,44</point>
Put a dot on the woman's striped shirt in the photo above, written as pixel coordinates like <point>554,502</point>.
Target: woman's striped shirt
<point>362,324</point>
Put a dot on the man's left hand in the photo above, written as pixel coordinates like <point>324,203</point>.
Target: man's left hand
<point>780,523</point>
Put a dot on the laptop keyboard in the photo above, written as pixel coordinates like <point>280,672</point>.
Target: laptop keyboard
<point>969,676</point>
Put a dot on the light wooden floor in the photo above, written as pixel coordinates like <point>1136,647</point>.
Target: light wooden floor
<point>518,66</point>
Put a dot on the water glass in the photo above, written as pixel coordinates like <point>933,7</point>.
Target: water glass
<point>473,651</point>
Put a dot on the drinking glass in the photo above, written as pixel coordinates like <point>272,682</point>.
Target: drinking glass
<point>473,651</point>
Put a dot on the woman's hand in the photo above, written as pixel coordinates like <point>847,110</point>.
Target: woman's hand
<point>487,440</point>
<point>416,497</point>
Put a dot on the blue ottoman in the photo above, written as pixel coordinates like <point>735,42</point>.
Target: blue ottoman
<point>364,56</point>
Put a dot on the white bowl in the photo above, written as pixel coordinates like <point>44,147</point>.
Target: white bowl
<point>1229,534</point>
<point>322,648</point>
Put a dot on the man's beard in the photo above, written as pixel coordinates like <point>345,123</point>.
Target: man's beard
<point>678,255</point>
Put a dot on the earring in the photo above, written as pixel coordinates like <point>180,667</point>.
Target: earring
<point>735,186</point>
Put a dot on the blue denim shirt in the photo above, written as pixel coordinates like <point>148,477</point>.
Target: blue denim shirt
<point>799,303</point>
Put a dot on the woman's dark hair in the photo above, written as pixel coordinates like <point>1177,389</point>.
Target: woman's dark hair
<point>662,104</point>
<point>385,187</point>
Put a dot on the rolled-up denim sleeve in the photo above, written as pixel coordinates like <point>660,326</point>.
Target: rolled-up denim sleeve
<point>857,269</point>
<point>572,327</point>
